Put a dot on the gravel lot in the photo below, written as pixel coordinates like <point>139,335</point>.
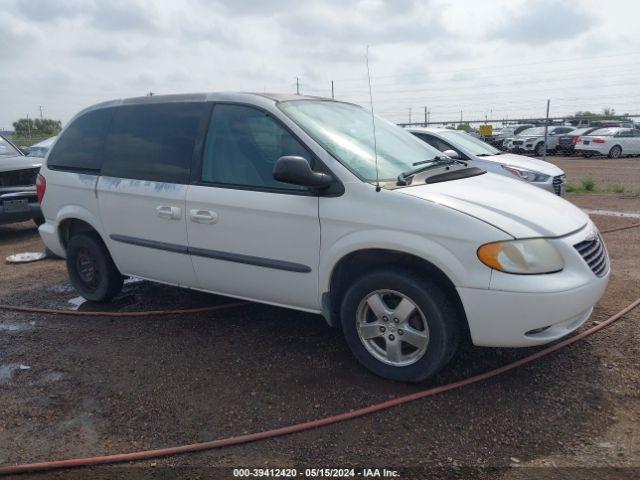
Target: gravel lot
<point>108,385</point>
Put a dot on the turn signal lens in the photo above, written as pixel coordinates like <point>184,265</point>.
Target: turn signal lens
<point>524,257</point>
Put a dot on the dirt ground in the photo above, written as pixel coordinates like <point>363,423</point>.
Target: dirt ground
<point>72,387</point>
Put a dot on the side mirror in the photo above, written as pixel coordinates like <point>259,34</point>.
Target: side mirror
<point>25,150</point>
<point>452,154</point>
<point>297,171</point>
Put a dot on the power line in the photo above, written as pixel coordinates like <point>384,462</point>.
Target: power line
<point>493,67</point>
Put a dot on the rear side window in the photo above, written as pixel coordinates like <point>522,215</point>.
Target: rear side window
<point>80,147</point>
<point>154,141</point>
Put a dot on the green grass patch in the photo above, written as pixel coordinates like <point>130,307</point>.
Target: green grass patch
<point>587,185</point>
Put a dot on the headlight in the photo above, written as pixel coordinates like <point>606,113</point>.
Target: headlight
<point>527,175</point>
<point>531,256</point>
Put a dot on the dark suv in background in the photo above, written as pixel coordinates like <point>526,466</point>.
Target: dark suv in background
<point>18,198</point>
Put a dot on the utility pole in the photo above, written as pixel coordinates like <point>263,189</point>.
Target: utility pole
<point>332,95</point>
<point>546,127</point>
<point>426,117</point>
<point>409,114</point>
<point>28,127</point>
<point>41,116</point>
<point>460,116</point>
<point>297,86</point>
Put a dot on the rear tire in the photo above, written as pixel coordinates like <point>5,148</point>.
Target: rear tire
<point>615,152</point>
<point>417,345</point>
<point>91,269</point>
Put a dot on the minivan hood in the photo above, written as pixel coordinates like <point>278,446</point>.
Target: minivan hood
<point>8,164</point>
<point>513,206</point>
<point>528,163</point>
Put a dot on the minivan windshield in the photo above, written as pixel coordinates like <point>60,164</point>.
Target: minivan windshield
<point>346,131</point>
<point>469,142</point>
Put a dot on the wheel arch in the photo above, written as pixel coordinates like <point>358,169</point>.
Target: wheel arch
<point>614,146</point>
<point>357,262</point>
<point>73,220</point>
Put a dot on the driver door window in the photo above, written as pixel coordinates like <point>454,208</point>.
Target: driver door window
<point>242,147</point>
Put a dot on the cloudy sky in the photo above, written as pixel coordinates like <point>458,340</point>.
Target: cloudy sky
<point>492,57</point>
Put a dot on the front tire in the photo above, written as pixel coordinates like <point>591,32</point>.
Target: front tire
<point>399,325</point>
<point>615,152</point>
<point>91,269</point>
<point>539,151</point>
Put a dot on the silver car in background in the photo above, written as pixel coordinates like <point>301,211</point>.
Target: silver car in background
<point>458,144</point>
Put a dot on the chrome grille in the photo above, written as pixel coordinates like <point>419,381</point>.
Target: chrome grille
<point>558,181</point>
<point>595,254</point>
<point>19,178</point>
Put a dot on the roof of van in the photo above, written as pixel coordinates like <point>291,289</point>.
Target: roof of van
<point>203,97</point>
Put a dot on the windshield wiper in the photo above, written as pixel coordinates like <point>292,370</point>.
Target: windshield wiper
<point>425,165</point>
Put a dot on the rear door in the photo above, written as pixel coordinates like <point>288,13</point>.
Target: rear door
<point>141,194</point>
<point>251,236</point>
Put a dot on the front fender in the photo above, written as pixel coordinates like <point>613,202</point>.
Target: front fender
<point>413,244</point>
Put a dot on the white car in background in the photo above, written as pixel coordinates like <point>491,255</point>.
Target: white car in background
<point>613,142</point>
<point>531,140</point>
<point>501,135</point>
<point>457,144</point>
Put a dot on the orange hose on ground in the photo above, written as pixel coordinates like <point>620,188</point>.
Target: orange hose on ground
<point>252,437</point>
<point>150,313</point>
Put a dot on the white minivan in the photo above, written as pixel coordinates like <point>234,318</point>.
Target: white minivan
<point>293,201</point>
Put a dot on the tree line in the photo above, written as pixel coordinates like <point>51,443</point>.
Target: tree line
<point>39,127</point>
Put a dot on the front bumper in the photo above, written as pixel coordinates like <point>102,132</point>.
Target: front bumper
<point>529,310</point>
<point>19,206</point>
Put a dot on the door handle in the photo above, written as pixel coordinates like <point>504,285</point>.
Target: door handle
<point>203,216</point>
<point>168,212</point>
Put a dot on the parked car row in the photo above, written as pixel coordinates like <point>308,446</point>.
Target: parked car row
<point>612,141</point>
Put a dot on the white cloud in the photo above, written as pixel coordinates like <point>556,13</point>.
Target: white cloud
<point>478,56</point>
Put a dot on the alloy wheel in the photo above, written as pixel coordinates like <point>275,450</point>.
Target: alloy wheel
<point>392,328</point>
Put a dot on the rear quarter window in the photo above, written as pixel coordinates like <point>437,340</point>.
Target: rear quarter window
<point>80,148</point>
<point>154,142</point>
